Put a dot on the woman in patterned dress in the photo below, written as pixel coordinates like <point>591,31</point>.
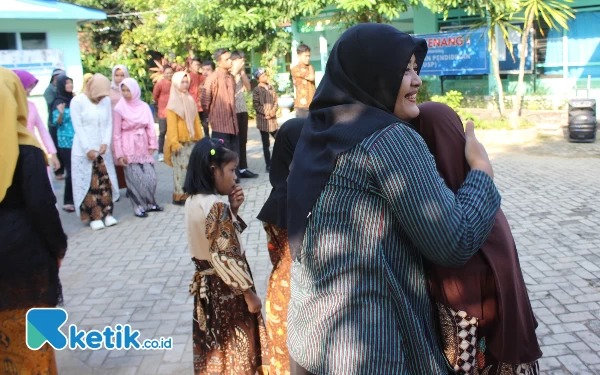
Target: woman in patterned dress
<point>183,131</point>
<point>228,329</point>
<point>95,186</point>
<point>486,319</point>
<point>134,141</point>
<point>274,218</point>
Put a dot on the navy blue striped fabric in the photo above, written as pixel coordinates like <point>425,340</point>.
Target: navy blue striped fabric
<point>359,301</point>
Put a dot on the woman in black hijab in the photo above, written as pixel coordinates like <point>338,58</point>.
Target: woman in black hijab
<point>61,119</point>
<point>365,205</point>
<point>274,218</point>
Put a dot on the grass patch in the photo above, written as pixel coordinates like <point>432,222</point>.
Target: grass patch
<point>497,124</point>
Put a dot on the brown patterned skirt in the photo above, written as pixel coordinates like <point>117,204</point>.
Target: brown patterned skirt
<point>98,203</point>
<point>464,347</point>
<point>278,298</point>
<point>230,340</point>
<point>15,357</point>
<point>180,161</point>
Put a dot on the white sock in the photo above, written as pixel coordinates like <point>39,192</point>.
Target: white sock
<point>242,170</point>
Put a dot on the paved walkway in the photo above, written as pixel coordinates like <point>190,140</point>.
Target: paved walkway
<point>138,272</point>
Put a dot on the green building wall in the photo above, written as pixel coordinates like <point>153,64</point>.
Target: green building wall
<point>422,21</point>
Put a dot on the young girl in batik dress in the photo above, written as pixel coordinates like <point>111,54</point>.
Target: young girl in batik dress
<point>228,329</point>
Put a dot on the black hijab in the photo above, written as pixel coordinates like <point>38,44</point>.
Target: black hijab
<point>355,98</point>
<point>62,96</point>
<point>275,209</point>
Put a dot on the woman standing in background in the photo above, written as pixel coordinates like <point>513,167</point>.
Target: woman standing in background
<point>61,118</point>
<point>34,121</point>
<point>183,131</point>
<point>160,94</point>
<point>94,177</point>
<point>119,73</point>
<point>134,142</point>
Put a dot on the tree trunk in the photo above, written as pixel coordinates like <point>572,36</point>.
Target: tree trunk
<point>522,56</point>
<point>496,67</point>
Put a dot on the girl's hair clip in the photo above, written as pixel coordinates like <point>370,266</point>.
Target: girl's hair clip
<point>222,141</point>
<point>212,151</point>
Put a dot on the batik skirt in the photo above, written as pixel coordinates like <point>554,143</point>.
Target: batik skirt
<point>180,160</point>
<point>15,357</point>
<point>278,298</point>
<point>141,186</point>
<point>98,202</point>
<point>228,339</point>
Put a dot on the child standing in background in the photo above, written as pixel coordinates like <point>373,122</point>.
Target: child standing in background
<point>264,99</point>
<point>229,333</point>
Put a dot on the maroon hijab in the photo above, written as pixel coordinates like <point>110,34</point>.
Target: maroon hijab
<point>490,286</point>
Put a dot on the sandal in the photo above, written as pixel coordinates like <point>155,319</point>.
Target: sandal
<point>141,214</point>
<point>69,208</point>
<point>156,208</point>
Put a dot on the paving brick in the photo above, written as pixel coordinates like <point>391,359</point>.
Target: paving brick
<point>138,272</point>
<point>547,363</point>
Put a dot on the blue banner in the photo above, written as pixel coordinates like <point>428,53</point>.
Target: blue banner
<point>456,53</point>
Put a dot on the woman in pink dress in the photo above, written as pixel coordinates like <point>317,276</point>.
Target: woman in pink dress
<point>134,141</point>
<point>34,121</point>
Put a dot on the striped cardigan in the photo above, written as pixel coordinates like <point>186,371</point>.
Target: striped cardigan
<point>360,302</point>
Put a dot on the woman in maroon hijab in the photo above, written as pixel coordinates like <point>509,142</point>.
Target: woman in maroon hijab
<point>485,317</point>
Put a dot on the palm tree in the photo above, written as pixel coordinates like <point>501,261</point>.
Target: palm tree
<point>498,17</point>
<point>555,13</point>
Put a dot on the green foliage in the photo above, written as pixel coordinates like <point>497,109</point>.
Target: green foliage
<point>502,124</point>
<point>251,110</point>
<point>452,99</point>
<point>555,13</point>
<point>424,94</point>
<point>477,101</point>
<point>138,32</point>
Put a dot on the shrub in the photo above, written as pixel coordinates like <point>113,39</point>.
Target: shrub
<point>452,98</point>
<point>424,95</point>
<point>478,101</point>
<point>502,124</point>
<point>251,110</point>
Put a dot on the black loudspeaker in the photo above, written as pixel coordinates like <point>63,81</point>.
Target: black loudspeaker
<point>582,120</point>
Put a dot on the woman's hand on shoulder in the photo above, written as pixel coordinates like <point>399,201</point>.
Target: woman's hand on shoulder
<point>475,153</point>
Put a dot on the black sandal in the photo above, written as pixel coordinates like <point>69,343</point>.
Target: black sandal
<point>141,215</point>
<point>156,209</point>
